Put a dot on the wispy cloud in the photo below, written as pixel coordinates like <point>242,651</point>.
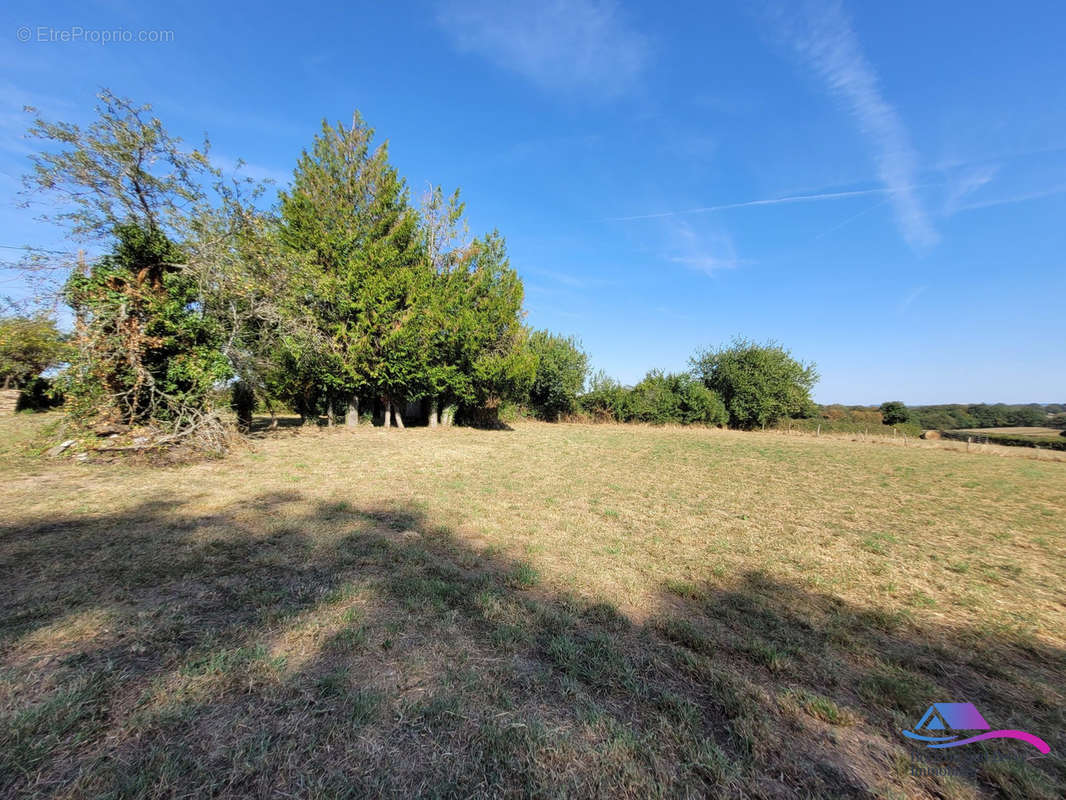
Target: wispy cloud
<point>569,279</point>
<point>967,181</point>
<point>568,45</point>
<point>1022,197</point>
<point>772,201</point>
<point>704,251</point>
<point>848,220</point>
<point>821,34</point>
<point>912,295</point>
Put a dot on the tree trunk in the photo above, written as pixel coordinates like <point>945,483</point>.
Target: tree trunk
<point>397,411</point>
<point>351,419</point>
<point>434,405</point>
<point>331,417</point>
<point>388,412</point>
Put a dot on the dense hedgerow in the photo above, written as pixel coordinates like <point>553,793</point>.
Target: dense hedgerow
<point>660,398</point>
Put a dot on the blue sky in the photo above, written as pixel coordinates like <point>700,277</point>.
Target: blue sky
<point>879,186</point>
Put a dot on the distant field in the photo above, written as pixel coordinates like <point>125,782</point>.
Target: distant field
<point>1025,436</point>
<point>556,610</point>
<point>1036,433</point>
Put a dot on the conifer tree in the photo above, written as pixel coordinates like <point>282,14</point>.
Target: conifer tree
<point>348,212</point>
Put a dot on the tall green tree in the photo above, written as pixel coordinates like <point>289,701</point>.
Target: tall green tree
<point>348,212</point>
<point>759,383</point>
<point>475,339</point>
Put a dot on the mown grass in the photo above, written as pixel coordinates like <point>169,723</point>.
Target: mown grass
<point>555,611</point>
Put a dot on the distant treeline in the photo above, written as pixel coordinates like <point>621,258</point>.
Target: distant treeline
<point>952,416</point>
<point>984,415</point>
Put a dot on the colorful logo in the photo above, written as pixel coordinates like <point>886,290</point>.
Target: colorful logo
<point>943,718</point>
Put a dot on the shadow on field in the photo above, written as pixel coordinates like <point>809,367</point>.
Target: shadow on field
<point>294,647</point>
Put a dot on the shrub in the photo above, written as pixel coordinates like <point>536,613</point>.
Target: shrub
<point>759,383</point>
<point>606,400</point>
<point>243,402</point>
<point>655,400</point>
<point>561,367</point>
<point>699,405</point>
<point>40,394</point>
<point>679,398</point>
<point>659,398</point>
<point>28,347</point>
<point>894,412</point>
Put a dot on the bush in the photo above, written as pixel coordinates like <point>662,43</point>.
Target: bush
<point>655,400</point>
<point>699,405</point>
<point>658,399</point>
<point>40,394</point>
<point>677,398</point>
<point>894,412</point>
<point>28,347</point>
<point>561,367</point>
<point>759,383</point>
<point>606,400</point>
<point>146,351</point>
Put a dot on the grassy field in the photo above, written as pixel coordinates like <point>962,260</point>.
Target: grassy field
<point>549,611</point>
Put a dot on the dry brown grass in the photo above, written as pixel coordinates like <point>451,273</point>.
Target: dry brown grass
<point>552,610</point>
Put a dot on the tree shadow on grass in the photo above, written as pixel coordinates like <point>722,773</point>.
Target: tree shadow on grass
<point>298,647</point>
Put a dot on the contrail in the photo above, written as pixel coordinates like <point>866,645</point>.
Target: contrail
<point>797,198</point>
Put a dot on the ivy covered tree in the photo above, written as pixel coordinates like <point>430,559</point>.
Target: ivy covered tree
<point>146,351</point>
<point>177,305</point>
